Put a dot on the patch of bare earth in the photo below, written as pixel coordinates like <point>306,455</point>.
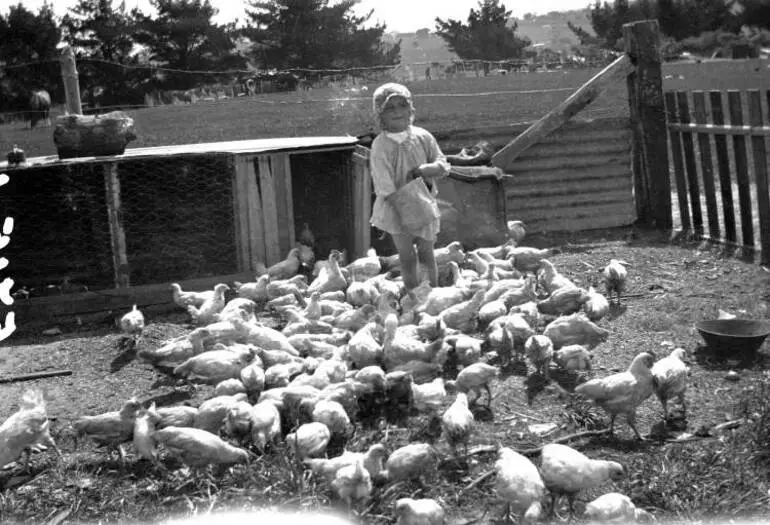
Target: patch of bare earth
<point>670,288</point>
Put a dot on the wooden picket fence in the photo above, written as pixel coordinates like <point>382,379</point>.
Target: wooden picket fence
<point>719,151</point>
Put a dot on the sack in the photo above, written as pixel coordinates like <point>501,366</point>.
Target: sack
<point>417,207</point>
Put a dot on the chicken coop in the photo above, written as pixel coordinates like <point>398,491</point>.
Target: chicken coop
<point>102,233</point>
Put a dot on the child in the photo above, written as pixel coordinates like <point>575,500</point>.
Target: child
<point>400,153</point>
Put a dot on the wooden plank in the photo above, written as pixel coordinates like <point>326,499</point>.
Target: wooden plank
<point>523,202</point>
<point>693,184</point>
<point>567,173</point>
<point>241,213</point>
<point>582,149</point>
<point>117,234</point>
<point>254,214</point>
<point>289,192</point>
<point>282,197</point>
<point>760,175</point>
<point>70,305</point>
<point>645,88</point>
<point>723,166</point>
<point>364,196</point>
<point>676,154</point>
<point>707,169</point>
<point>741,167</point>
<point>269,211</point>
<point>547,163</point>
<point>358,204</point>
<point>571,187</point>
<point>557,117</point>
<point>712,129</point>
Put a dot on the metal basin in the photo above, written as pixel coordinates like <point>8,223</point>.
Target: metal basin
<point>739,336</point>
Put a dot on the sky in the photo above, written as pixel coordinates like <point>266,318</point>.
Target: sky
<point>403,16</point>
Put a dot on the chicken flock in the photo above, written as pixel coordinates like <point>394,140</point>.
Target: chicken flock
<point>352,349</point>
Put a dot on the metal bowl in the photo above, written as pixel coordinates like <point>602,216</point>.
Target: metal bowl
<point>743,336</point>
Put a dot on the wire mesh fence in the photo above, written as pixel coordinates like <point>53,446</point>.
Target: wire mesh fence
<point>61,240</point>
<point>177,214</point>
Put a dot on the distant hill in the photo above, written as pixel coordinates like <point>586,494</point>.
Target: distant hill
<point>550,29</point>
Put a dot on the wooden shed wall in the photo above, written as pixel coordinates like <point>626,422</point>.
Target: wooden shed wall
<point>577,178</point>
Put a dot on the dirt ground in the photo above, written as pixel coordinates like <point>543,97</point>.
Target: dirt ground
<point>671,286</point>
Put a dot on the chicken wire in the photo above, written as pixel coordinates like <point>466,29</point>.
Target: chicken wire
<point>177,214</point>
<point>61,236</point>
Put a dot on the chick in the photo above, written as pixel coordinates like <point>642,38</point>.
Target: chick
<point>424,511</point>
<point>176,416</point>
<point>573,357</point>
<point>144,427</point>
<point>428,396</point>
<point>622,393</point>
<point>566,471</point>
<point>198,448</point>
<point>597,305</point>
<point>132,323</point>
<point>411,462</point>
<point>353,483</point>
<point>265,424</point>
<point>26,428</point>
<point>519,484</point>
<point>457,423</point>
<point>516,231</point>
<point>326,469</point>
<point>474,377</point>
<point>185,299</point>
<point>669,379</point>
<point>615,275</point>
<point>614,507</point>
<point>539,350</point>
<point>207,313</point>
<point>111,428</point>
<point>310,440</point>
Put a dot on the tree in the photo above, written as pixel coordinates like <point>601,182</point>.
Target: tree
<point>28,56</point>
<point>312,34</point>
<point>485,36</point>
<point>183,37</point>
<point>102,38</point>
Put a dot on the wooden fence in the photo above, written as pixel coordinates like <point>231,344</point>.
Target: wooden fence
<point>714,137</point>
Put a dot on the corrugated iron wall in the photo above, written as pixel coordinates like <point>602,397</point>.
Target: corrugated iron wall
<point>577,178</point>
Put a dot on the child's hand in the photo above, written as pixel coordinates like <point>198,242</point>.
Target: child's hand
<point>416,172</point>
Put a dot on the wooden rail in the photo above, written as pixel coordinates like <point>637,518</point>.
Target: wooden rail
<point>555,118</point>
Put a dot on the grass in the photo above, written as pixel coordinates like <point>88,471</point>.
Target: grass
<point>443,106</point>
<point>670,287</point>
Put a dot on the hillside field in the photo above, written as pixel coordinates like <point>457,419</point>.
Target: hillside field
<point>443,106</point>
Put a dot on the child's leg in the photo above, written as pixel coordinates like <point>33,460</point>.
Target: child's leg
<point>428,258</point>
<point>408,258</point>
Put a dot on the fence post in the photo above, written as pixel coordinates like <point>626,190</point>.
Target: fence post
<point>645,93</point>
<point>69,74</point>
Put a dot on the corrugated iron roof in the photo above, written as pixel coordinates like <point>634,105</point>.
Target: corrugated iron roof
<point>236,147</point>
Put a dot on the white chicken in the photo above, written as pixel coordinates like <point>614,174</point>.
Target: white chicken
<point>256,291</point>
<point>287,268</point>
<point>473,378</point>
<point>565,471</point>
<point>615,275</point>
<point>411,462</point>
<point>198,448</point>
<point>669,379</point>
<point>614,507</point>
<point>597,305</point>
<point>309,441</point>
<point>144,427</point>
<point>26,428</point>
<point>423,511</point>
<point>519,485</point>
<point>132,323</point>
<point>457,423</point>
<point>539,351</point>
<point>428,397</point>
<point>111,428</point>
<point>622,393</point>
<point>208,311</point>
<point>516,231</point>
<point>353,483</point>
<point>550,278</point>
<point>216,365</point>
<point>185,299</point>
<point>573,357</point>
